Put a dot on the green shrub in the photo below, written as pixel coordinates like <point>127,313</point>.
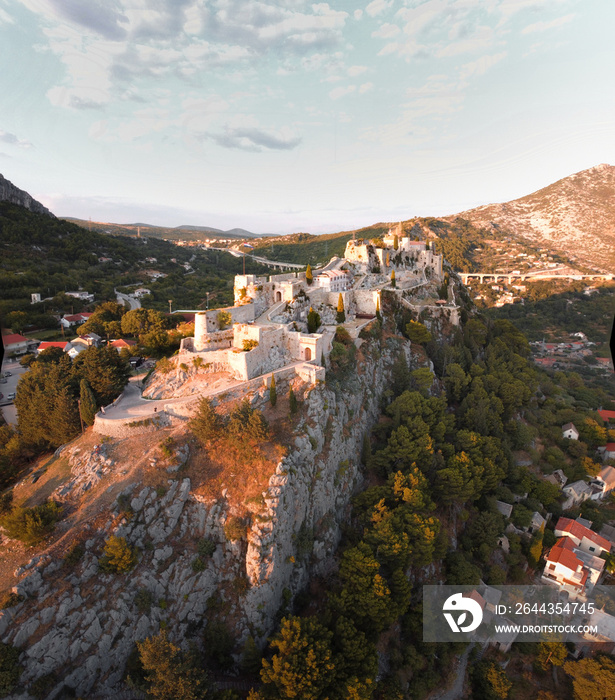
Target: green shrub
<point>43,686</point>
<point>235,529</point>
<point>249,344</point>
<point>224,319</point>
<point>6,502</point>
<point>74,555</point>
<point>206,424</point>
<point>10,669</point>
<point>144,600</point>
<point>198,565</point>
<point>164,365</point>
<point>118,556</point>
<point>206,547</point>
<point>31,525</point>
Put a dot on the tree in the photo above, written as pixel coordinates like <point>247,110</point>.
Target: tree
<point>273,394</point>
<point>309,278</point>
<point>592,679</point>
<point>31,525</point>
<point>87,403</point>
<point>313,321</point>
<point>10,669</point>
<point>422,378</point>
<point>553,653</point>
<point>171,675</point>
<point>340,317</point>
<point>302,666</point>
<point>378,314</point>
<point>393,279</point>
<point>292,401</point>
<point>206,424</point>
<point>417,332</point>
<point>395,242</point>
<point>489,681</point>
<point>118,556</point>
<point>106,372</point>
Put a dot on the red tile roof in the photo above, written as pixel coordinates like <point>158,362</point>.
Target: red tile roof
<point>580,531</point>
<point>607,415</point>
<point>610,447</point>
<point>562,553</point>
<point>78,317</point>
<point>121,343</point>
<point>46,344</point>
<point>13,338</point>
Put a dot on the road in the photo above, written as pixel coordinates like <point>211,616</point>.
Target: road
<point>126,300</point>
<point>8,409</point>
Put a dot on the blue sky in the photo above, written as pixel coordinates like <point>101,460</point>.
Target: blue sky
<point>285,115</point>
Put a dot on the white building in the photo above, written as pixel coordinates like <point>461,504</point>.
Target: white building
<point>570,432</point>
<point>333,281</point>
<point>82,296</point>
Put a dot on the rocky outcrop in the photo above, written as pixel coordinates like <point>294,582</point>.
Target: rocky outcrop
<point>12,194</point>
<point>82,623</point>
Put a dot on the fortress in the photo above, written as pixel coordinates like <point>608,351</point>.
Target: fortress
<point>266,328</point>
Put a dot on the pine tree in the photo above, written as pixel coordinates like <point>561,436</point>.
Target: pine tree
<point>313,321</point>
<point>395,242</point>
<point>341,314</point>
<point>87,403</point>
<point>309,278</point>
<point>322,359</point>
<point>393,279</point>
<point>273,394</point>
<point>292,401</point>
<point>378,314</point>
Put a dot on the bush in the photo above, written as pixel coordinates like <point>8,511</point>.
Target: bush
<point>164,365</point>
<point>249,344</point>
<point>9,599</point>
<point>224,319</point>
<point>10,670</point>
<point>235,529</point>
<point>74,554</point>
<point>144,600</point>
<point>118,556</point>
<point>31,525</point>
<point>6,502</point>
<point>198,565</point>
<point>206,548</point>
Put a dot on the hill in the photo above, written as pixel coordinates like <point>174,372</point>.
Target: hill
<point>574,216</point>
<point>13,195</point>
<point>185,232</point>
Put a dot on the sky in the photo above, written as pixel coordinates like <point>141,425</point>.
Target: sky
<point>282,116</point>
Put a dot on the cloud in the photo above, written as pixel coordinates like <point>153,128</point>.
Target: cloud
<point>5,18</point>
<point>480,66</point>
<point>357,14</point>
<point>366,87</point>
<point>353,71</point>
<point>13,140</point>
<point>377,7</point>
<point>544,26</point>
<point>339,92</point>
<point>386,31</point>
<point>101,17</point>
<point>255,139</point>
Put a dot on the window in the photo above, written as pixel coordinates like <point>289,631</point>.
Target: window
<point>592,549</point>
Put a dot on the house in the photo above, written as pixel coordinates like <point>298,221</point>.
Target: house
<point>120,344</point>
<point>576,493</point>
<point>604,481</point>
<point>570,432</point>
<point>83,296</point>
<point>45,345</point>
<point>571,567</point>
<point>607,416</point>
<point>141,292</point>
<point>15,344</point>
<point>558,478</point>
<point>537,523</point>
<point>609,451</point>
<point>71,320</point>
<point>332,281</point>
<point>587,540</point>
<point>505,509</point>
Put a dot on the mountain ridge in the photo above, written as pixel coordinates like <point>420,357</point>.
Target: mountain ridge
<point>573,215</point>
<point>14,195</point>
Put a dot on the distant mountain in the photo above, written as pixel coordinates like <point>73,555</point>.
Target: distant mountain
<point>574,216</point>
<point>13,195</point>
<point>231,233</point>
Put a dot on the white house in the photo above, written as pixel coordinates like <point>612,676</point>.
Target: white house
<point>571,567</point>
<point>585,539</point>
<point>569,431</point>
<point>576,493</point>
<point>333,280</point>
<point>15,344</point>
<point>604,481</point>
<point>141,292</point>
<point>83,296</point>
<point>71,320</point>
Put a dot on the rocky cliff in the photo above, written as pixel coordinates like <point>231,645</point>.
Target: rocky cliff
<point>12,194</point>
<point>81,624</point>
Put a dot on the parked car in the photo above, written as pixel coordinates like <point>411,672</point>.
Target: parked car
<point>2,380</point>
<point>11,396</point>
